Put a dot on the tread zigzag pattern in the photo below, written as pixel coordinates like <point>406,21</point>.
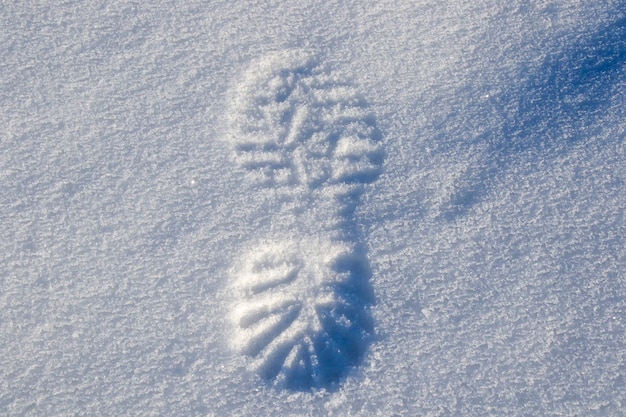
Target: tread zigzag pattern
<point>302,300</point>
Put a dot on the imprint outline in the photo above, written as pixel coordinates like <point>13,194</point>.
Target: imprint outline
<point>302,307</point>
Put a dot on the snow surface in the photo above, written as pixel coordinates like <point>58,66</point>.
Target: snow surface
<point>495,232</point>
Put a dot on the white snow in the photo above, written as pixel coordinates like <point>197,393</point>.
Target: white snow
<point>495,232</point>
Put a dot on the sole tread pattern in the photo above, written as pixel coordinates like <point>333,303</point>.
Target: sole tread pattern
<point>302,303</point>
<point>295,124</point>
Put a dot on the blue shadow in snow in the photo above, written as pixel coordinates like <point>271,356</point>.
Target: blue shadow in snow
<point>557,107</point>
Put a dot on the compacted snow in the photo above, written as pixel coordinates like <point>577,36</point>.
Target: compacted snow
<point>372,208</point>
<point>302,298</point>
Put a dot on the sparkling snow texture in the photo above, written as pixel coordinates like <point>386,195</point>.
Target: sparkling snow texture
<point>494,233</point>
